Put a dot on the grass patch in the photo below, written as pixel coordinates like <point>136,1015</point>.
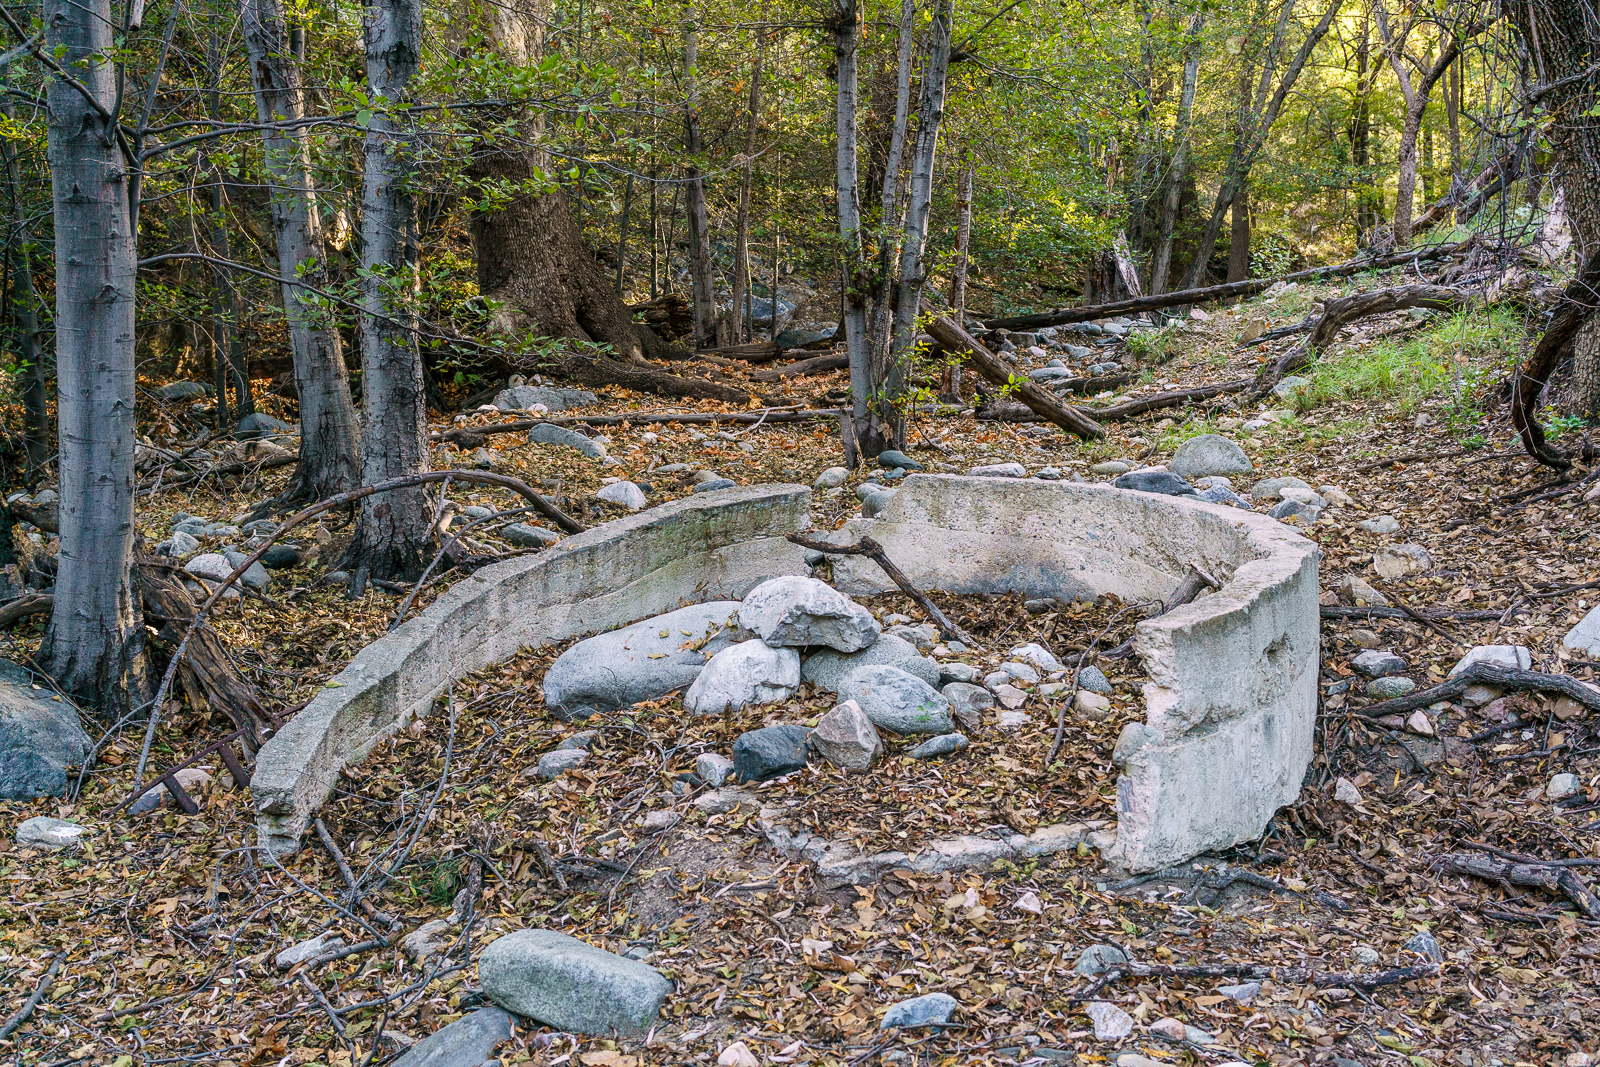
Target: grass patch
<point>1456,356</point>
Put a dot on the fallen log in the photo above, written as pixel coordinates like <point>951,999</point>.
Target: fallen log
<point>1484,674</point>
<point>1561,881</point>
<point>1578,302</point>
<point>649,378</point>
<point>1170,399</point>
<point>1205,294</point>
<point>24,606</point>
<point>1041,400</point>
<point>637,418</point>
<point>828,361</point>
<point>754,352</point>
<point>1347,309</point>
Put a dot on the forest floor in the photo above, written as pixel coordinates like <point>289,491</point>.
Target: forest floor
<point>169,924</point>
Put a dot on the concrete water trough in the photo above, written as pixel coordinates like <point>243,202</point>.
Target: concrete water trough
<point>1230,704</point>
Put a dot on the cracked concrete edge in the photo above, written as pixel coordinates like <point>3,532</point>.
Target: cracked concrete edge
<point>838,863</point>
<point>708,546</point>
<point>1231,702</point>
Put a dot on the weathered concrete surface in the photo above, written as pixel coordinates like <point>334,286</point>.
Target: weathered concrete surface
<point>1232,696</point>
<point>711,546</point>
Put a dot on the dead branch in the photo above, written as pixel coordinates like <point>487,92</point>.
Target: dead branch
<point>1258,973</point>
<point>1561,881</point>
<point>642,418</point>
<point>12,1024</point>
<point>1578,302</point>
<point>874,551</point>
<point>43,517</point>
<point>1484,674</point>
<point>828,361</point>
<point>1170,399</point>
<point>1345,310</point>
<point>1193,582</point>
<point>1248,287</point>
<point>953,337</point>
<point>24,606</point>
<point>754,352</point>
<point>649,378</point>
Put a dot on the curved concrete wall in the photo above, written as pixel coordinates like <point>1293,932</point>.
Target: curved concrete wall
<point>1231,704</point>
<point>710,546</point>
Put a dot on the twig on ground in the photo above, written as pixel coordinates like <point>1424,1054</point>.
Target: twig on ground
<point>1257,973</point>
<point>874,551</point>
<point>11,1025</point>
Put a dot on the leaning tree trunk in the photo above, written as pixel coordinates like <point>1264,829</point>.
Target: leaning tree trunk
<point>330,460</point>
<point>844,25</point>
<point>393,530</point>
<point>94,647</point>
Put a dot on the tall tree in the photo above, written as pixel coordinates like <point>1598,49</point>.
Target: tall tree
<point>330,459</point>
<point>1182,136</point>
<point>741,226</point>
<point>94,647</point>
<point>1416,91</point>
<point>394,527</point>
<point>700,265</point>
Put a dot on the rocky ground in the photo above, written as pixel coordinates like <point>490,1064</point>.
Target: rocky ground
<point>170,930</point>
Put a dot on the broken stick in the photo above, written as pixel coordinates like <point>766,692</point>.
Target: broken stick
<point>1561,881</point>
<point>874,551</point>
<point>1193,582</point>
<point>1485,674</point>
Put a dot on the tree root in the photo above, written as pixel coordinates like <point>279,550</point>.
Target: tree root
<point>1484,674</point>
<point>1560,881</point>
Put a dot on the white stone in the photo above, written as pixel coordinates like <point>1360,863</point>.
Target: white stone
<point>1397,561</point>
<point>1037,655</point>
<point>297,954</point>
<point>1210,454</point>
<point>41,831</point>
<point>1358,592</point>
<point>1511,657</point>
<point>793,611</point>
<point>750,672</point>
<point>847,739</point>
<point>211,565</point>
<point>1382,524</point>
<point>1562,785</point>
<point>1419,723</point>
<point>1111,1023</point>
<point>1345,792</point>
<point>1585,637</point>
<point>713,768</point>
<point>729,798</point>
<point>1091,706</point>
<point>998,470</point>
<point>627,494</point>
<point>832,478</point>
<point>737,1054</point>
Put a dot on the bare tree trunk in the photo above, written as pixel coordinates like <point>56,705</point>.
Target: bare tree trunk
<point>392,532</point>
<point>1360,138</point>
<point>913,264</point>
<point>844,24</point>
<point>94,647</point>
<point>1452,110</point>
<point>700,267</point>
<point>1172,195</point>
<point>741,246</point>
<point>226,313</point>
<point>950,383</point>
<point>24,300</point>
<point>1239,236</point>
<point>891,221</point>
<point>622,232</point>
<point>330,460</point>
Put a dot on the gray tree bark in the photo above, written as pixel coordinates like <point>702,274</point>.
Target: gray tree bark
<point>94,647</point>
<point>844,25</point>
<point>705,281</point>
<point>1172,195</point>
<point>741,242</point>
<point>330,455</point>
<point>392,533</point>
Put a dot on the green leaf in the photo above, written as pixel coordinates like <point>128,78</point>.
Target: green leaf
<point>364,118</point>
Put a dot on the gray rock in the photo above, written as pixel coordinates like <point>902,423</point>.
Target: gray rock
<point>1288,509</point>
<point>256,425</point>
<point>798,337</point>
<point>934,1009</point>
<point>898,701</point>
<point>968,702</point>
<point>310,948</point>
<point>770,752</point>
<point>846,738</point>
<point>1222,494</point>
<point>182,390</point>
<point>713,768</point>
<point>523,397</point>
<point>872,504</point>
<point>1039,656</point>
<point>799,612</point>
<point>282,557</point>
<point>1388,688</point>
<point>827,668</point>
<point>1110,1022</point>
<point>212,566</point>
<point>957,672</point>
<point>1375,663</point>
<point>1021,673</point>
<point>998,470</point>
<point>474,512</point>
<point>1164,482</point>
<point>1045,374</point>
<point>1097,369</point>
<point>49,834</point>
<point>832,478</point>
<point>1269,488</point>
<point>1562,785</point>
<point>943,745</point>
<point>714,484</point>
<point>467,1042</point>
<point>619,668</point>
<point>1513,657</point>
<point>1244,992</point>
<point>1365,954</point>
<point>567,984</point>
<point>1210,454</point>
<point>524,536</point>
<point>255,575</point>
<point>581,741</point>
<point>546,434</point>
<point>1426,945</point>
<point>1098,959</point>
<point>1584,638</point>
<point>893,458</point>
<point>182,543</point>
<point>866,489</point>
<point>1049,474</point>
<point>1291,385</point>
<point>1382,524</point>
<point>40,738</point>
<point>750,672</point>
<point>627,494</point>
<point>558,761</point>
<point>1094,680</point>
